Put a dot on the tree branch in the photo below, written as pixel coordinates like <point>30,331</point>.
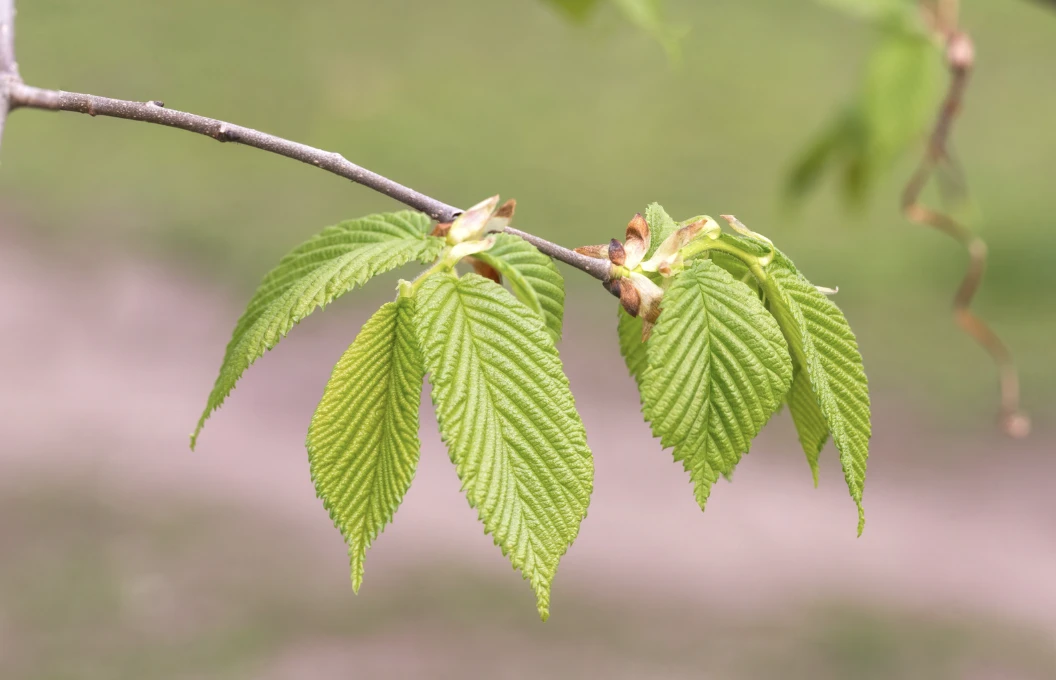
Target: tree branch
<point>24,96</point>
<point>599,269</point>
<point>14,94</point>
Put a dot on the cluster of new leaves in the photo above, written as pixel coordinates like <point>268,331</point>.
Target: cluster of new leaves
<point>502,400</point>
<point>740,333</point>
<point>736,332</point>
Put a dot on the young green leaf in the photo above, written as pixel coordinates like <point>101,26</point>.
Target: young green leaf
<point>901,91</point>
<point>509,420</point>
<point>363,440</point>
<point>718,369</point>
<point>533,277</point>
<point>633,349</point>
<point>660,227</point>
<point>824,346</point>
<point>318,271</point>
<point>810,422</point>
<point>734,265</point>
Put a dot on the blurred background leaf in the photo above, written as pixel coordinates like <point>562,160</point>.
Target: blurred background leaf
<point>891,113</point>
<point>893,12</point>
<point>577,9</point>
<point>648,15</point>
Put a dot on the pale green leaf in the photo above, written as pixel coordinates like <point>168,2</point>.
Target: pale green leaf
<point>363,440</point>
<point>901,93</point>
<point>509,420</point>
<point>718,369</point>
<point>318,271</point>
<point>895,105</point>
<point>824,346</point>
<point>660,227</point>
<point>735,266</point>
<point>810,423</point>
<point>629,329</point>
<point>533,277</point>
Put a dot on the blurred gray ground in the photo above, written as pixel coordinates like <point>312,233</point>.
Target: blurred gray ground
<point>126,555</point>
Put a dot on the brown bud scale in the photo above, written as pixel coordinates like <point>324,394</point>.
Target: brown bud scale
<point>505,211</point>
<point>631,299</point>
<point>485,270</point>
<point>599,252</point>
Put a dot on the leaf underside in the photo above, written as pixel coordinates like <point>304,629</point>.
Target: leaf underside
<point>629,329</point>
<point>825,349</point>
<point>810,422</point>
<point>718,368</point>
<point>318,271</point>
<point>533,277</point>
<point>509,421</point>
<point>363,440</point>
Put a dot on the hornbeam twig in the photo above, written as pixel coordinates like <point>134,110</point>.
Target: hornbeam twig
<point>15,94</point>
<point>24,96</point>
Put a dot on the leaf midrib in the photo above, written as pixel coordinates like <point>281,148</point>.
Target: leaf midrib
<point>568,492</point>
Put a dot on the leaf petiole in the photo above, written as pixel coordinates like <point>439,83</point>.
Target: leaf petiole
<point>701,246</point>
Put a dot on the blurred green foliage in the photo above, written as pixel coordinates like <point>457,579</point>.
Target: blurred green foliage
<point>895,105</point>
<point>647,15</point>
<point>582,123</point>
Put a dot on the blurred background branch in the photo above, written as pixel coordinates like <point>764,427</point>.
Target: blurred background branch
<point>8,65</point>
<point>943,18</point>
<point>25,96</point>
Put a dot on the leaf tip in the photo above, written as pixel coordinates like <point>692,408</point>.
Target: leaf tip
<point>861,518</point>
<point>209,409</point>
<point>198,430</point>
